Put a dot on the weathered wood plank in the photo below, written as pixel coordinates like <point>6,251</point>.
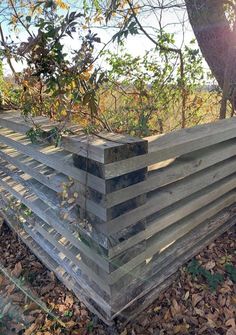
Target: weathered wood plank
<point>55,158</point>
<point>91,206</point>
<point>47,195</point>
<point>103,148</point>
<point>67,212</point>
<point>158,283</point>
<point>20,124</point>
<point>129,240</point>
<point>69,281</point>
<point>177,212</point>
<point>169,235</point>
<point>175,144</point>
<point>14,117</point>
<point>135,280</point>
<point>179,168</point>
<point>64,246</point>
<point>164,147</point>
<point>76,251</point>
<point>49,199</point>
<point>45,175</point>
<point>115,251</point>
<point>65,263</point>
<point>49,216</point>
<point>170,194</point>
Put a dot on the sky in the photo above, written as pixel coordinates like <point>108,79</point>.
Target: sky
<point>136,45</point>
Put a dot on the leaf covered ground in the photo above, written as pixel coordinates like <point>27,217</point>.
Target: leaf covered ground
<point>202,300</point>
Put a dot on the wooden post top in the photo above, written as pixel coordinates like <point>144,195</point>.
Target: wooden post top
<point>103,147</point>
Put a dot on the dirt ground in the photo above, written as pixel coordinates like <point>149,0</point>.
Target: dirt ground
<point>201,301</point>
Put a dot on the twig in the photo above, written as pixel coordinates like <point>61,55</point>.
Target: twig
<point>7,54</point>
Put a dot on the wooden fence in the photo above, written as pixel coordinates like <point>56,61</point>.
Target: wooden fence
<point>115,216</point>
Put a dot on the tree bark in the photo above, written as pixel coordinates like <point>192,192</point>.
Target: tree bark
<point>217,42</point>
<point>228,91</point>
<point>213,33</point>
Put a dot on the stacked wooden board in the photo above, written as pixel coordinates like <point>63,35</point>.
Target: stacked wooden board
<point>134,210</point>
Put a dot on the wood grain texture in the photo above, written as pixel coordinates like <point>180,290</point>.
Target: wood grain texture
<point>104,147</point>
<point>163,280</point>
<point>51,264</point>
<point>185,207</point>
<point>169,235</point>
<point>47,214</point>
<point>179,168</point>
<point>175,144</point>
<point>145,272</point>
<point>145,213</point>
<point>42,173</point>
<point>170,194</point>
<point>55,158</point>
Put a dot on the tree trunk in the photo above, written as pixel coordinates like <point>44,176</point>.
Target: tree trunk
<point>213,33</point>
<point>228,89</point>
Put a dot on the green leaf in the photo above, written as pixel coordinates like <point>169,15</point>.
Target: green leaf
<point>194,268</point>
<point>231,270</point>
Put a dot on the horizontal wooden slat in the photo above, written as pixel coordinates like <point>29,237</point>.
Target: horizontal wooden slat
<point>177,212</point>
<point>163,272</point>
<point>154,285</point>
<point>55,158</point>
<point>61,259</point>
<point>6,118</point>
<point>21,124</point>
<point>48,215</point>
<point>34,220</point>
<point>65,247</point>
<point>175,144</point>
<point>122,291</point>
<point>180,168</point>
<point>69,281</point>
<point>170,194</point>
<point>115,260</point>
<point>45,194</point>
<point>160,148</point>
<point>49,177</point>
<point>174,232</point>
<point>45,175</point>
<point>230,183</point>
<point>103,148</point>
<point>51,199</point>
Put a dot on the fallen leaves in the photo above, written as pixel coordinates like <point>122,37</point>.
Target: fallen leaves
<point>69,300</point>
<point>233,300</point>
<point>17,271</point>
<point>196,298</point>
<point>210,265</point>
<point>175,308</point>
<point>124,332</point>
<point>231,331</point>
<point>199,312</point>
<point>1,280</point>
<point>10,288</point>
<point>47,288</point>
<point>157,309</point>
<point>181,329</point>
<point>211,323</point>
<point>186,296</point>
<point>31,329</point>
<point>187,307</point>
<point>231,323</point>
